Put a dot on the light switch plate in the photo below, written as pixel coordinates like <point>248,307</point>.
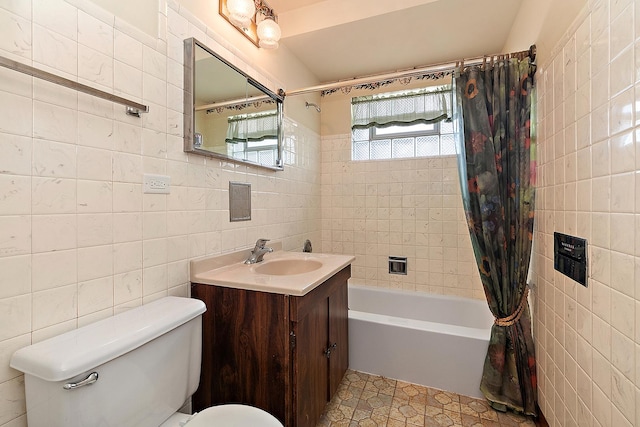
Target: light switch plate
<point>156,184</point>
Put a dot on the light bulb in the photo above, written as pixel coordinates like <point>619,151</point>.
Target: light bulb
<point>269,33</point>
<point>241,12</point>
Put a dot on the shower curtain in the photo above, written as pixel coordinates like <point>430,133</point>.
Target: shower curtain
<point>497,173</point>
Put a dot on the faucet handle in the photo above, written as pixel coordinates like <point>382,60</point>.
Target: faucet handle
<point>261,242</point>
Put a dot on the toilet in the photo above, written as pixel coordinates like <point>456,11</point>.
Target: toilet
<point>137,368</point>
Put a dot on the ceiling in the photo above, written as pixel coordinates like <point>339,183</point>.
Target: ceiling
<point>342,39</point>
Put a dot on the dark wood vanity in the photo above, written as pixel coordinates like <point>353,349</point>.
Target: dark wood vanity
<point>285,354</point>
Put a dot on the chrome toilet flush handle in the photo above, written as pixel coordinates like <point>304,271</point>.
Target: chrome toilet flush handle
<point>90,379</point>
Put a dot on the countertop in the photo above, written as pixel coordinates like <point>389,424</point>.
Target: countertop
<point>230,271</point>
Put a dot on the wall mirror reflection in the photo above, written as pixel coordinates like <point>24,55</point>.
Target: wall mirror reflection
<point>228,114</point>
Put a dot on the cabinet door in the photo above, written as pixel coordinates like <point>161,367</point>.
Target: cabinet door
<point>310,365</point>
<point>338,336</point>
<point>245,350</point>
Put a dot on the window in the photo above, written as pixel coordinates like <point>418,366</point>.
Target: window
<point>253,137</point>
<point>402,125</point>
<point>263,152</point>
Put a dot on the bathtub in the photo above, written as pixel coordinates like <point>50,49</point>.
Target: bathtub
<point>431,340</point>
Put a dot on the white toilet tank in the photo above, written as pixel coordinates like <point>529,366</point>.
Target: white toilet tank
<point>147,362</point>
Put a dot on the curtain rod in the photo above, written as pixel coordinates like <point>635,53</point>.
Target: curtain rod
<point>442,67</point>
<point>133,108</point>
<point>241,101</point>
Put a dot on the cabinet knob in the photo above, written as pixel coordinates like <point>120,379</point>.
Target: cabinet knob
<point>329,349</point>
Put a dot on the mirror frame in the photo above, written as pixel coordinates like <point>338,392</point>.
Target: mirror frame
<point>189,106</point>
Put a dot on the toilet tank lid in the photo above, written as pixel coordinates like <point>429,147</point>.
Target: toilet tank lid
<point>75,352</point>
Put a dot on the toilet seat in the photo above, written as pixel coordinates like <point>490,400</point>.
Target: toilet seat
<point>233,416</point>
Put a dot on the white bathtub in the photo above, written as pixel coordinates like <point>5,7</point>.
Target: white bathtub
<point>432,340</point>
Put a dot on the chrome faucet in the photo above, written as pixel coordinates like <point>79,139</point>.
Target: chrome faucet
<point>258,252</point>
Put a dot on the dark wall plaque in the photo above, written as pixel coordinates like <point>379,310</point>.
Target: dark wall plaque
<point>570,257</point>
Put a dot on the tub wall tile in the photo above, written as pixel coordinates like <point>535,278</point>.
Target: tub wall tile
<point>606,380</point>
<point>412,208</point>
<point>54,269</point>
<point>12,400</point>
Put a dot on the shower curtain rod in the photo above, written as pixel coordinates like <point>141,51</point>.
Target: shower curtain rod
<point>242,101</point>
<point>442,67</point>
<point>133,108</point>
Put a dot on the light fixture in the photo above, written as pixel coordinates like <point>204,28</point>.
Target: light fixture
<point>241,12</point>
<point>254,19</point>
<point>269,33</point>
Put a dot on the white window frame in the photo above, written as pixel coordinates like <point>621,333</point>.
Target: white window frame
<point>373,132</point>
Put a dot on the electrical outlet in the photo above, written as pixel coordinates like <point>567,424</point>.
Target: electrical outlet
<point>156,184</point>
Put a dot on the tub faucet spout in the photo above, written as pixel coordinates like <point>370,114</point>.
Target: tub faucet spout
<point>258,252</point>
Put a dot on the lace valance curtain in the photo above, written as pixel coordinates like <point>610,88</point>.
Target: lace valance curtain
<point>252,127</point>
<point>400,109</point>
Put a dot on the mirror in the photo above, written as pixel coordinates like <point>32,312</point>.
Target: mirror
<point>228,114</point>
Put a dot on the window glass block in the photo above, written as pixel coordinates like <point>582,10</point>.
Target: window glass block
<point>267,157</point>
<point>403,148</point>
<point>446,127</point>
<point>236,148</point>
<point>427,146</point>
<point>447,145</point>
<point>251,156</point>
<point>361,150</point>
<point>381,149</point>
<point>360,134</point>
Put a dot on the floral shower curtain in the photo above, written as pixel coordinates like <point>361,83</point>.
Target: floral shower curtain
<point>497,173</point>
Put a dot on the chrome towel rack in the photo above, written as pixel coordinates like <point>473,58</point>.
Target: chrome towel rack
<point>133,108</point>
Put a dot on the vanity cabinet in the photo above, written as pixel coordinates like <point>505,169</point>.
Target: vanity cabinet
<point>282,353</point>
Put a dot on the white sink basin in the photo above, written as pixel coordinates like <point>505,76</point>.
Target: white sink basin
<point>286,267</point>
<point>281,272</point>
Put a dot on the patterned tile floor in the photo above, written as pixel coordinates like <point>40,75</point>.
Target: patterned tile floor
<point>365,400</point>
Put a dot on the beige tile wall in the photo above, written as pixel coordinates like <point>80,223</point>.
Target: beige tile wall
<point>79,240</point>
<point>588,339</point>
<point>411,208</point>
